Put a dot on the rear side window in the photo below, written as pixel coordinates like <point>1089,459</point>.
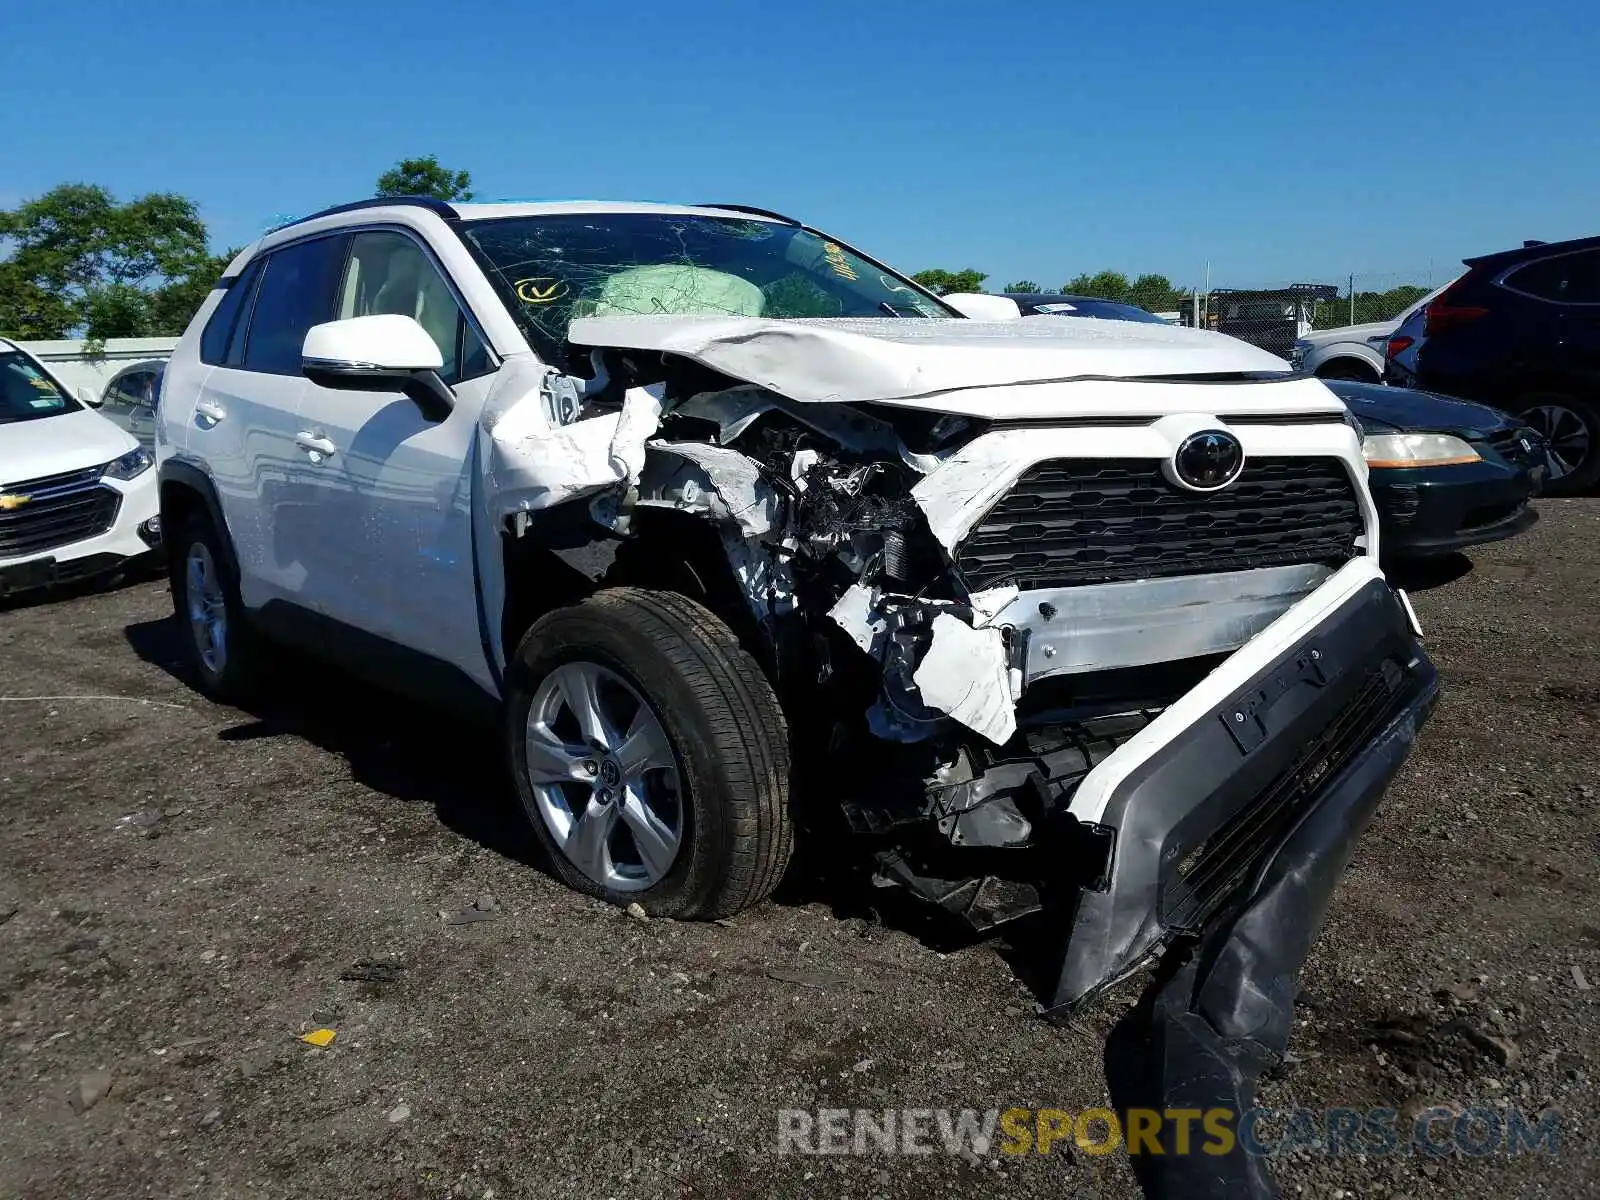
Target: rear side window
<point>1565,279</point>
<point>295,293</point>
<point>214,338</point>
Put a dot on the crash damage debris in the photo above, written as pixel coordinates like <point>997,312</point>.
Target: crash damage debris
<point>485,908</point>
<point>372,970</point>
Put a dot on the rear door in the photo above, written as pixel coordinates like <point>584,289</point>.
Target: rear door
<point>243,425</point>
<point>392,487</point>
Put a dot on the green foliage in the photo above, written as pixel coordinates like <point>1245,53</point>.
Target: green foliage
<point>1022,285</point>
<point>1155,293</point>
<point>942,283</point>
<point>1369,306</point>
<point>78,261</point>
<point>425,177</point>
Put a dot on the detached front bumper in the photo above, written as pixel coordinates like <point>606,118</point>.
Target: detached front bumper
<point>1276,763</point>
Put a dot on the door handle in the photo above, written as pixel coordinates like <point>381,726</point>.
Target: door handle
<point>311,443</point>
<point>210,410</point>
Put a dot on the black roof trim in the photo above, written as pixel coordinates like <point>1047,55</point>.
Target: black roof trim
<point>1531,250</point>
<point>755,212</point>
<point>430,203</point>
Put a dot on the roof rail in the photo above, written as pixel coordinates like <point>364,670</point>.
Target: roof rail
<point>753,211</point>
<point>432,204</point>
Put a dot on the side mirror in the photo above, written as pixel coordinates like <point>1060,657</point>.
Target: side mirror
<point>381,353</point>
<point>982,307</point>
<point>90,398</point>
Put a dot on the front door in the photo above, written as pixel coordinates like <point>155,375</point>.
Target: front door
<point>392,487</point>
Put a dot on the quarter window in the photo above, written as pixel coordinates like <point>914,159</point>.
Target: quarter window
<point>1565,278</point>
<point>218,333</point>
<point>390,273</point>
<point>295,293</point>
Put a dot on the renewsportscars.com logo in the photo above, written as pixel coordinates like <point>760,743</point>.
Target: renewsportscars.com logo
<point>1438,1132</point>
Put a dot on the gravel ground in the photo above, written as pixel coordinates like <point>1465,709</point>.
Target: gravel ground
<point>185,889</point>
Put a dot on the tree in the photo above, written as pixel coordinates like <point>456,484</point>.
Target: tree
<point>425,177</point>
<point>1108,285</point>
<point>78,261</point>
<point>1022,285</point>
<point>1154,293</point>
<point>1369,306</point>
<point>942,283</point>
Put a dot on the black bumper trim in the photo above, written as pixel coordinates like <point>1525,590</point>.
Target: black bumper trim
<point>1420,545</point>
<point>1325,711</point>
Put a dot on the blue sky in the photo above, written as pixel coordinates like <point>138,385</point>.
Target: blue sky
<point>1031,140</point>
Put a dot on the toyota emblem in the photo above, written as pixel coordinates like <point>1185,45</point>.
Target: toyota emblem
<point>1207,461</point>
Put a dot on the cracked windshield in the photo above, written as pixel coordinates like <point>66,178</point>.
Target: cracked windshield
<point>554,269</point>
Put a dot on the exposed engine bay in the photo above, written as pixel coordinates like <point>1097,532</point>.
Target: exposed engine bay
<point>972,694</point>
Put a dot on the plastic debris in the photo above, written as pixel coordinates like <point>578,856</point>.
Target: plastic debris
<point>485,908</point>
<point>90,1089</point>
<point>804,978</point>
<point>319,1037</point>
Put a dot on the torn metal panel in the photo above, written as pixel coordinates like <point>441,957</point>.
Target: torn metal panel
<point>965,674</point>
<point>858,615</point>
<point>893,359</point>
<point>719,483</point>
<point>534,463</point>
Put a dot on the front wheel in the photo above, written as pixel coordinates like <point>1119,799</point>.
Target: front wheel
<point>650,755</point>
<point>1571,426</point>
<point>205,595</point>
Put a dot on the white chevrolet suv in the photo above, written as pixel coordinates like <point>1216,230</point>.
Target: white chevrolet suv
<point>737,530</point>
<point>77,494</point>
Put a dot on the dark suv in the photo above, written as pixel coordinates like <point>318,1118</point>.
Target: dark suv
<point>1521,331</point>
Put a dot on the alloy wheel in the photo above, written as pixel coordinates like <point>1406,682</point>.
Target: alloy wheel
<point>1566,433</point>
<point>208,609</point>
<point>603,777</point>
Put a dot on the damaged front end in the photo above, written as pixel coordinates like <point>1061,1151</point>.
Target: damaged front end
<point>1032,674</point>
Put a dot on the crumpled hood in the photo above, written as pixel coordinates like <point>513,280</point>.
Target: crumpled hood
<point>69,441</point>
<point>893,360</point>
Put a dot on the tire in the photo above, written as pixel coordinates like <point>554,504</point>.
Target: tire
<point>1350,369</point>
<point>717,790</point>
<point>1560,413</point>
<point>227,665</point>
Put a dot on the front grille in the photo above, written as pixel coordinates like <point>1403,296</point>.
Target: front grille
<point>1209,874</point>
<point>1069,522</point>
<point>59,510</point>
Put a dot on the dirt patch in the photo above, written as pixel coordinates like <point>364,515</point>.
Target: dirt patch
<point>194,887</point>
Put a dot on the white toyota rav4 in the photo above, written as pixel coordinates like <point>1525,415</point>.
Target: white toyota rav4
<point>77,494</point>
<point>736,529</point>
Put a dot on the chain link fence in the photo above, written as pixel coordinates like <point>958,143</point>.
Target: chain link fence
<point>1271,314</point>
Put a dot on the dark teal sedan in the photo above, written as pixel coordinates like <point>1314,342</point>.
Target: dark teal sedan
<point>1445,474</point>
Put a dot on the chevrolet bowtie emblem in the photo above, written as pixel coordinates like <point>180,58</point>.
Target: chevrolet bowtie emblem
<point>13,501</point>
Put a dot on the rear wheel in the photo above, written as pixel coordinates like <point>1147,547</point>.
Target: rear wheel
<point>650,755</point>
<point>1571,426</point>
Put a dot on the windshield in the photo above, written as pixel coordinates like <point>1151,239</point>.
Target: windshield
<point>26,392</point>
<point>553,269</point>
